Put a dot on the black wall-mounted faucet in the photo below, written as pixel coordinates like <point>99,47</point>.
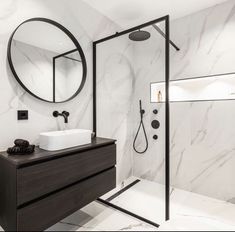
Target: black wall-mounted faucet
<point>64,114</point>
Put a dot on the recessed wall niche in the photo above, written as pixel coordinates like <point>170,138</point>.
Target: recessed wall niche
<point>220,87</point>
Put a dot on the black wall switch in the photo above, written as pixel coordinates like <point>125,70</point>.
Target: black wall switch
<point>22,115</point>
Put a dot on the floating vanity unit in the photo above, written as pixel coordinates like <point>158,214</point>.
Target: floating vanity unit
<point>40,189</point>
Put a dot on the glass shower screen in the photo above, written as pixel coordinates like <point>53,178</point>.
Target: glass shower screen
<point>124,71</point>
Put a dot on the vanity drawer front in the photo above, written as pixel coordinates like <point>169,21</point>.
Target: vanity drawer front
<point>48,211</point>
<point>43,178</point>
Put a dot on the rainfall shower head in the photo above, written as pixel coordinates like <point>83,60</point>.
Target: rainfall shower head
<point>139,35</point>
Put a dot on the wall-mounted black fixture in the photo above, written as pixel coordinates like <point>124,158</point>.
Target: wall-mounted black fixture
<point>139,35</point>
<point>163,34</point>
<point>22,115</point>
<point>155,124</point>
<point>155,137</point>
<point>64,114</point>
<point>155,111</point>
<point>142,112</point>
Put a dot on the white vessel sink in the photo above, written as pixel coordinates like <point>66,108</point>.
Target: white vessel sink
<point>57,140</point>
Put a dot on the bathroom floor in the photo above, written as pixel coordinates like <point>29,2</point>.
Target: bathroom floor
<point>192,211</point>
<point>97,217</point>
<point>189,211</point>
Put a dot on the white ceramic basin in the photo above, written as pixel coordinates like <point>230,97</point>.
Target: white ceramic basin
<point>57,140</point>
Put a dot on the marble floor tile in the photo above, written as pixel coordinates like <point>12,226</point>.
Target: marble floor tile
<point>97,217</point>
<point>147,199</point>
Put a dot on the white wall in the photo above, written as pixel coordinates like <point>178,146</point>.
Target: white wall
<point>87,25</point>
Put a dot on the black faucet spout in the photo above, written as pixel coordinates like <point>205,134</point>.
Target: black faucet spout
<point>64,114</point>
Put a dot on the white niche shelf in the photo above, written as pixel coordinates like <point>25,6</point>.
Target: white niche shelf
<point>196,89</point>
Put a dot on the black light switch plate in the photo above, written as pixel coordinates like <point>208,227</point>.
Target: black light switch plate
<point>22,115</point>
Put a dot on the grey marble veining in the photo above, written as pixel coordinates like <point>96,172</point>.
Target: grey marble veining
<point>206,42</point>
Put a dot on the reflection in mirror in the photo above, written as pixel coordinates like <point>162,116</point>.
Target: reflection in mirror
<point>68,74</point>
<point>47,63</point>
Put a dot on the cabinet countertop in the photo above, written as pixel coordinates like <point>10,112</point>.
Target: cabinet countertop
<point>41,155</point>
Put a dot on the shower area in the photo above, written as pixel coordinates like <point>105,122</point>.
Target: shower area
<point>165,91</point>
<point>125,65</point>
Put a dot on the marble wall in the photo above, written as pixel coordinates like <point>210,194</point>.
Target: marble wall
<point>36,75</point>
<point>202,144</point>
<point>87,25</point>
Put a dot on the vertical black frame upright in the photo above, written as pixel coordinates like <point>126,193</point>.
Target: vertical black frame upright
<point>167,105</point>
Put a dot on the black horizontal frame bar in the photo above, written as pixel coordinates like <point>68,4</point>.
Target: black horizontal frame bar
<point>67,57</point>
<point>163,34</point>
<point>65,53</point>
<point>127,212</point>
<point>117,34</point>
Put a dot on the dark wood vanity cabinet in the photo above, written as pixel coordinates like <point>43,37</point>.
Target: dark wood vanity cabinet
<point>38,190</point>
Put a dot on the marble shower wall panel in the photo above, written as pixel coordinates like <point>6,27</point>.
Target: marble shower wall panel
<point>115,82</point>
<point>202,145</point>
<point>87,25</point>
<point>206,42</point>
<point>202,148</point>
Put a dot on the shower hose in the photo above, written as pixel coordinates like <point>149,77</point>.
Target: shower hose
<point>145,135</point>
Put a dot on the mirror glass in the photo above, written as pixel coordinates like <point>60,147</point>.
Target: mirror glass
<point>47,61</point>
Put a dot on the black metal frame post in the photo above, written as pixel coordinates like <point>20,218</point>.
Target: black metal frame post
<point>167,106</point>
<point>64,55</point>
<point>167,118</point>
<point>53,76</point>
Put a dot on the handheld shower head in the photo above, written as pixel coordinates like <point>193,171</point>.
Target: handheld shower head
<point>142,111</point>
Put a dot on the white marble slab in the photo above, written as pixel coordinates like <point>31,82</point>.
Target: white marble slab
<point>96,217</point>
<point>206,41</point>
<point>189,211</point>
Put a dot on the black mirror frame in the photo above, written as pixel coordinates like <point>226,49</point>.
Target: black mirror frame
<point>74,40</point>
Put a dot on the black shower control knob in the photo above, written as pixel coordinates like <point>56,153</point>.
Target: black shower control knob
<point>155,137</point>
<point>155,124</point>
<point>155,111</point>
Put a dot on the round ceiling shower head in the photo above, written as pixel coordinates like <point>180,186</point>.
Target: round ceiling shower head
<point>139,35</point>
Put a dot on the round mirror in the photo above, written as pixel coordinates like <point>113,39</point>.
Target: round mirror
<point>47,60</point>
